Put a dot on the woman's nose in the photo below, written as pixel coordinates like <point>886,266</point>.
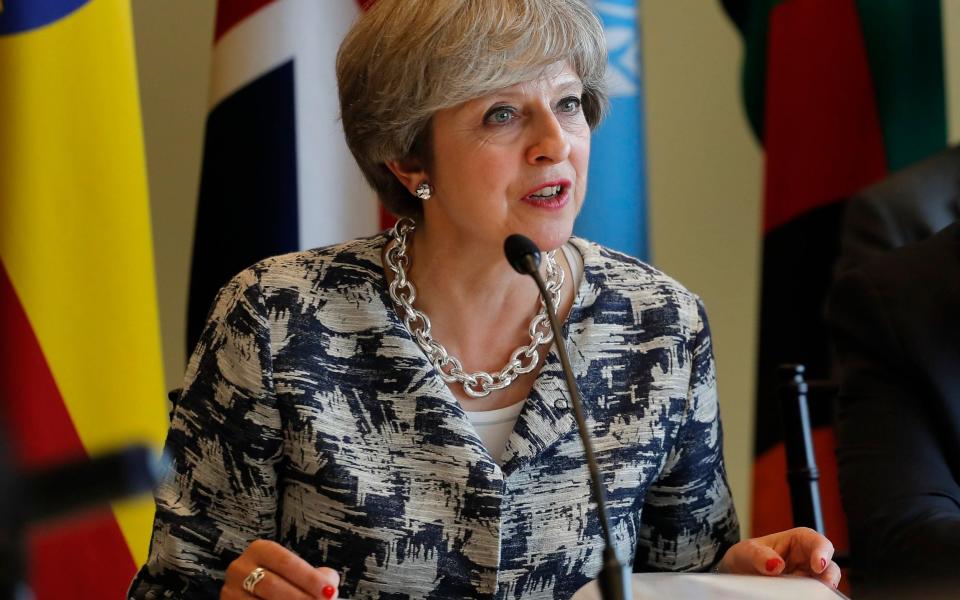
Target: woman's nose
<point>549,142</point>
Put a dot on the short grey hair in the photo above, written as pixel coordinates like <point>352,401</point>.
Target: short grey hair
<point>406,59</point>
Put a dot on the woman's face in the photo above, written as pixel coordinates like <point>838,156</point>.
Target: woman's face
<point>514,161</point>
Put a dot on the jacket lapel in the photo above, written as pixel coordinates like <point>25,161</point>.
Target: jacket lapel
<point>439,419</point>
<point>546,418</point>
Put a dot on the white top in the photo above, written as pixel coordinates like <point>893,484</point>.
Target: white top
<point>494,426</point>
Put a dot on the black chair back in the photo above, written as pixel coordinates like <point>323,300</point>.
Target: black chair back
<point>803,476</point>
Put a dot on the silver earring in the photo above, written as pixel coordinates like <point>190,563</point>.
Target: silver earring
<point>424,191</point>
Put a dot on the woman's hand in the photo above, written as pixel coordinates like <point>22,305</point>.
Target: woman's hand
<point>285,575</point>
<point>800,551</point>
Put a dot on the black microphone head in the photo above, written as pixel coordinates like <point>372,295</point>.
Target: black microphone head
<point>522,253</point>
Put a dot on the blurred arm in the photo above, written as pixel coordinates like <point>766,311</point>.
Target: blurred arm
<point>901,499</point>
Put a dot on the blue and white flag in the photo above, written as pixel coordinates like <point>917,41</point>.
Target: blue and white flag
<point>615,211</point>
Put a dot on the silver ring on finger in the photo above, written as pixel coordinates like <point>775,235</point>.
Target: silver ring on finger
<point>251,581</point>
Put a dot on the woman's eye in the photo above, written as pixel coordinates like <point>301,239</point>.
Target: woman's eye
<point>570,105</point>
<point>499,115</point>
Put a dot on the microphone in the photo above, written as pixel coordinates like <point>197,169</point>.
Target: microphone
<point>522,253</point>
<point>42,496</point>
<point>524,256</point>
<point>68,488</point>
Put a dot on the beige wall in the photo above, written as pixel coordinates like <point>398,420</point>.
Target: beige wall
<point>173,54</point>
<point>704,177</point>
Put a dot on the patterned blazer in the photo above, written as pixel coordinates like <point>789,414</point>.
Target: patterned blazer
<point>310,416</point>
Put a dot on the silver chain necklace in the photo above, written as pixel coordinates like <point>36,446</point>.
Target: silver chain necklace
<point>480,383</point>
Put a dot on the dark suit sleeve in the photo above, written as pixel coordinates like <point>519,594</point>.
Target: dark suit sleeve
<point>901,499</point>
<point>868,231</point>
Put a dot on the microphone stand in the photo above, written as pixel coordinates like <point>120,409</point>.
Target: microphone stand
<point>42,496</point>
<point>614,579</point>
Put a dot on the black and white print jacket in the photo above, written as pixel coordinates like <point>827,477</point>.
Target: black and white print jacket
<point>309,416</point>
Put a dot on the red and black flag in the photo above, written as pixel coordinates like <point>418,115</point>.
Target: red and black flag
<point>839,92</point>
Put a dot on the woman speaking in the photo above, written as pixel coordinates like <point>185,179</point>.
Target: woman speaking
<point>384,418</point>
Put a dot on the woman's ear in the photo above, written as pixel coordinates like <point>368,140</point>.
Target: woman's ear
<point>409,171</point>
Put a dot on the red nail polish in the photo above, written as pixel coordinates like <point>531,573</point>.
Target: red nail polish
<point>329,591</point>
<point>823,564</point>
<point>772,564</point>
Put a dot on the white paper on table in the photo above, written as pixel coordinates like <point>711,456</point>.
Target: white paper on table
<point>708,586</point>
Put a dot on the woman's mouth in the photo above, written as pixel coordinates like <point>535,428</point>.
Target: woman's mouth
<point>551,195</point>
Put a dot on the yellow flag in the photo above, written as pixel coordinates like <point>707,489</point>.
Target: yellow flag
<point>82,369</point>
